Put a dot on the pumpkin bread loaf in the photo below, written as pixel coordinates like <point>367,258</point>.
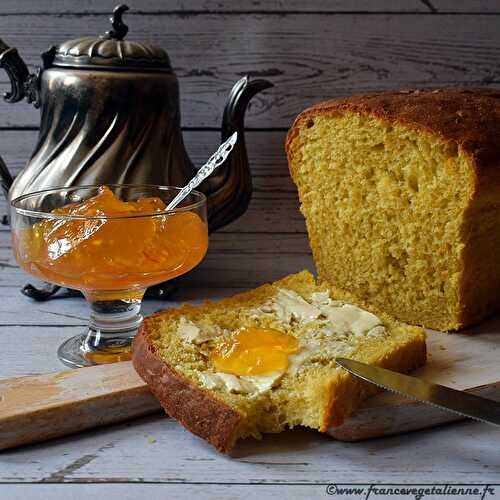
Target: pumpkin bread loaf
<point>401,196</point>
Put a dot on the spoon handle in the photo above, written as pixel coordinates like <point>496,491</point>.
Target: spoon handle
<point>213,162</point>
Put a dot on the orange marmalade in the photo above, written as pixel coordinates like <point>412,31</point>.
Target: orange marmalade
<point>254,351</point>
<point>142,248</point>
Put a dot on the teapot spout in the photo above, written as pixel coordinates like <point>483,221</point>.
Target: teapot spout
<point>230,188</point>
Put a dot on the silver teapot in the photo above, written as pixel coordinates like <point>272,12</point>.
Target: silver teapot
<point>110,114</point>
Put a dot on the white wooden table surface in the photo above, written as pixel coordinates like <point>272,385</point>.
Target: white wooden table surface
<point>154,457</point>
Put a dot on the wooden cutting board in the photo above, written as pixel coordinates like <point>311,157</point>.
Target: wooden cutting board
<point>38,408</point>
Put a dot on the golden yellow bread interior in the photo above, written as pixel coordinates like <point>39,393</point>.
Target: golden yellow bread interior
<point>316,393</point>
<point>392,217</point>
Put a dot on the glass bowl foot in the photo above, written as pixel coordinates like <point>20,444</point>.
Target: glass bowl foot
<point>113,324</point>
<point>77,351</point>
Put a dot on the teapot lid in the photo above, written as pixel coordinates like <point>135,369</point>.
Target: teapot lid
<point>111,51</point>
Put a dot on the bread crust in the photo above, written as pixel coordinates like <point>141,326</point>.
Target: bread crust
<point>467,117</point>
<point>195,408</point>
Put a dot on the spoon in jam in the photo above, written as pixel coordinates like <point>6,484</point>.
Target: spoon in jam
<point>218,158</point>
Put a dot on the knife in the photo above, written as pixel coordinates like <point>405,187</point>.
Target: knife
<point>461,402</point>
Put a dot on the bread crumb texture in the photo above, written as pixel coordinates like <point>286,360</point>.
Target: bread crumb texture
<point>399,211</point>
<point>313,392</point>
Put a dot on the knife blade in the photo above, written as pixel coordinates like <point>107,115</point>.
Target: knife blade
<point>461,402</point>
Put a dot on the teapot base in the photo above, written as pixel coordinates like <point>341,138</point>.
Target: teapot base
<point>48,291</point>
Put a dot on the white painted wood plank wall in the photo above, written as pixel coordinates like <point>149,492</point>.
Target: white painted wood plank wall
<point>308,56</point>
<point>310,50</point>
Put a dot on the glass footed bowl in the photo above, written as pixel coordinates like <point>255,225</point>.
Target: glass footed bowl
<point>111,243</point>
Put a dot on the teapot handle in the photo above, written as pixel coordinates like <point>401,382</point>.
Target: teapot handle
<point>22,85</point>
<point>17,71</point>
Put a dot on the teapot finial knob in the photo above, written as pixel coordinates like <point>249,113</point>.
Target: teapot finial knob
<point>120,29</point>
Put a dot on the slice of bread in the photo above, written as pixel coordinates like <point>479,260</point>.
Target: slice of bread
<point>400,192</point>
<point>172,354</point>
